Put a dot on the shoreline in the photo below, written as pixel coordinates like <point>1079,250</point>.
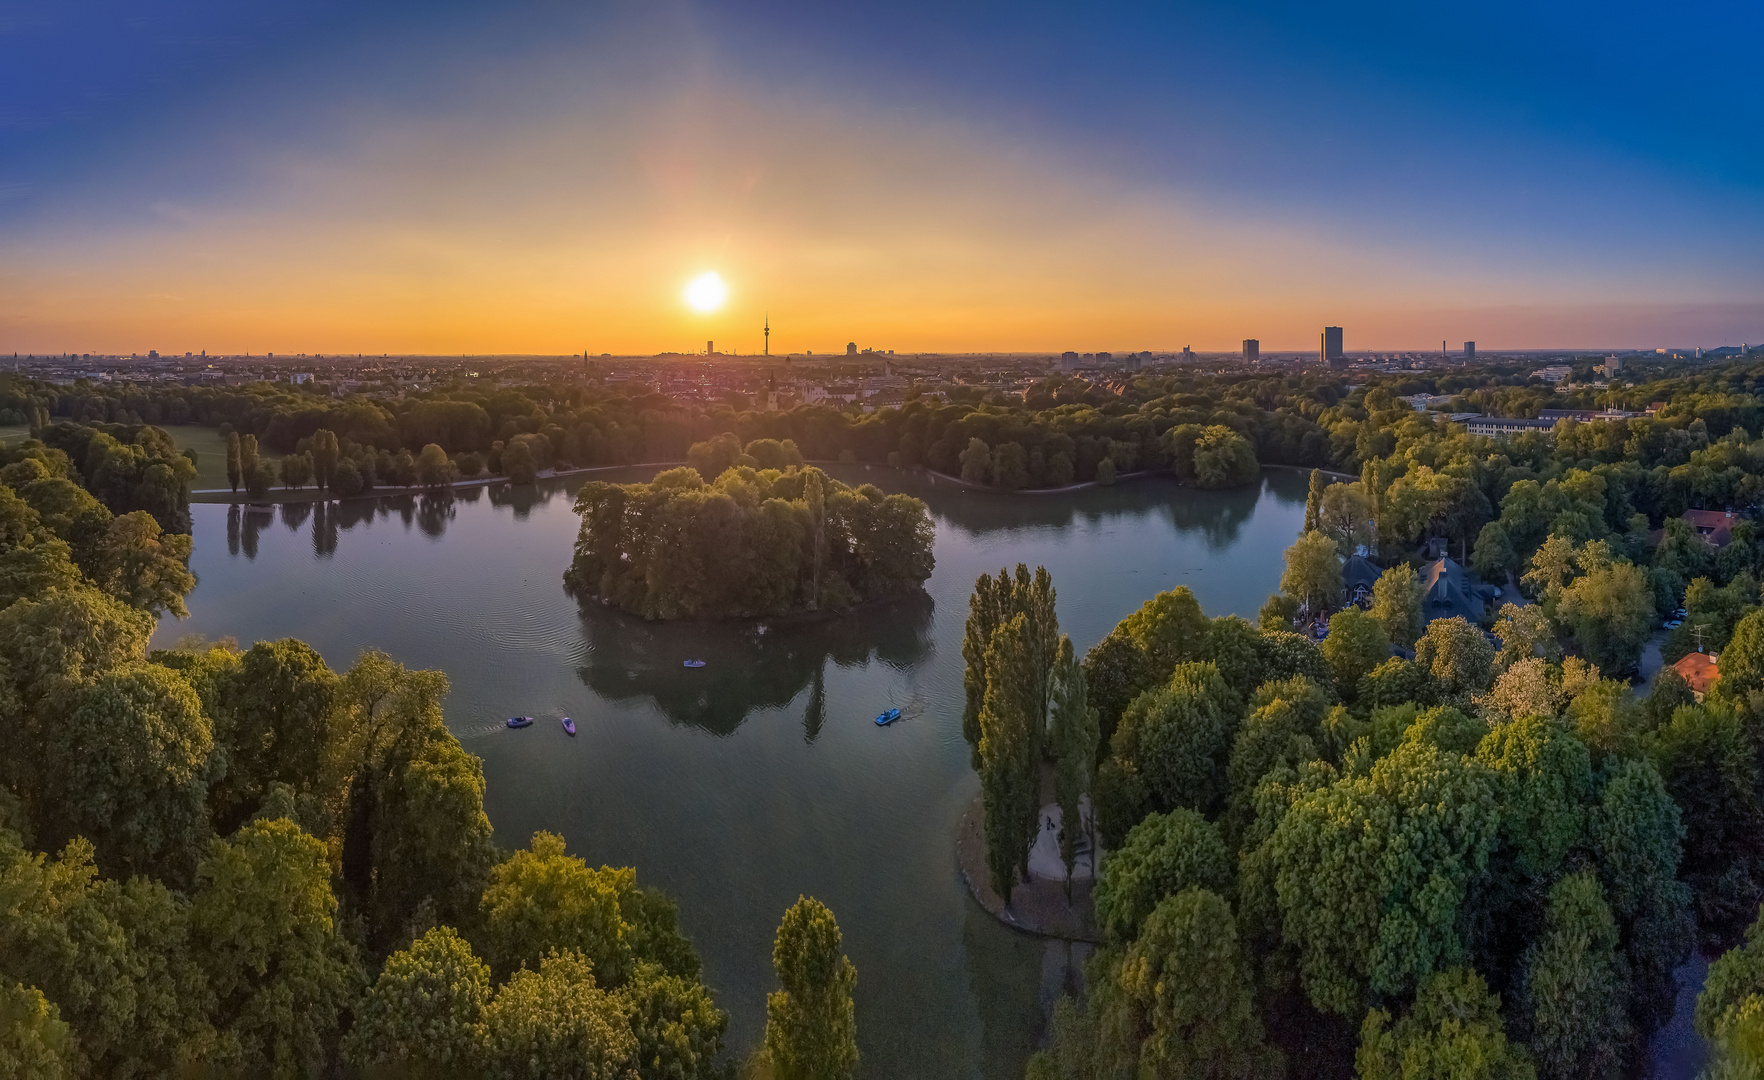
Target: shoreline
<point>226,495</point>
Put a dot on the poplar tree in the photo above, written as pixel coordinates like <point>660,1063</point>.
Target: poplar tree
<point>1009,762</point>
<point>1314,501</point>
<point>235,472</point>
<point>815,496</point>
<point>811,1025</point>
<point>1075,733</point>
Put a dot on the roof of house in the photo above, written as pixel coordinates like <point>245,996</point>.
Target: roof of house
<point>1450,592</point>
<point>1699,670</point>
<point>1359,570</point>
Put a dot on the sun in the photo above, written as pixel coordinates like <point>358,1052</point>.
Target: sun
<point>706,292</point>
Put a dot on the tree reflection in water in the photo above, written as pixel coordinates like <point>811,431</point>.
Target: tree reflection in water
<point>745,668</point>
<point>430,512</point>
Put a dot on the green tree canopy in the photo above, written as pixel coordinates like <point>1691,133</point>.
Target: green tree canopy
<point>811,1028</point>
<point>422,1015</point>
<point>1313,572</point>
<point>557,1022</point>
<point>1454,1032</point>
<point>542,899</point>
<point>1162,856</point>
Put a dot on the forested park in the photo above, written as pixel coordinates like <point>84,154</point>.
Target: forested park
<point>1465,791</point>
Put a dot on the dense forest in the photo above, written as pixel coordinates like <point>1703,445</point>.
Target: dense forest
<point>240,862</point>
<point>1487,857</point>
<point>1423,846</point>
<point>1206,428</point>
<point>753,541</point>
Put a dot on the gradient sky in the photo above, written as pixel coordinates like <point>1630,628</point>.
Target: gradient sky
<point>546,177</point>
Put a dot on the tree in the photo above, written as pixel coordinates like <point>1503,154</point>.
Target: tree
<point>1167,630</point>
<point>263,926</point>
<point>129,770</point>
<point>248,461</point>
<point>1735,979</point>
<point>1313,572</point>
<point>679,1031</point>
<point>1610,611</point>
<point>1010,760</point>
<point>1314,501</point>
<point>557,1021</point>
<point>1453,1033</point>
<point>1574,984</point>
<point>144,567</point>
<point>296,471</point>
<point>1173,742</point>
<point>1356,644</point>
<point>433,468</point>
<point>325,455</point>
<point>34,1043</point>
<point>1742,662</point>
<point>1074,735</point>
<point>542,899</point>
<point>348,480</point>
<point>1010,466</point>
<point>422,1015</point>
<point>278,723</point>
<point>976,462</point>
<point>1346,517</point>
<point>1711,772</point>
<point>518,463</point>
<point>1370,871</point>
<point>811,1027</point>
<point>235,470</point>
<point>1636,836</point>
<point>1544,778</point>
<point>1396,603</point>
<point>1223,459</point>
<point>1162,856</point>
<point>1525,632</point>
<point>260,479</point>
<point>1183,993</point>
<point>1457,656</point>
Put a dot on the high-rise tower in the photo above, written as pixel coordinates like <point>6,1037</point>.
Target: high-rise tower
<point>1330,351</point>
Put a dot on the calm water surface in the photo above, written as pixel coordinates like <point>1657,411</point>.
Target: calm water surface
<point>760,777</point>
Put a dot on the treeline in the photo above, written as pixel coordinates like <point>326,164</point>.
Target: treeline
<point>1343,857</point>
<point>246,863</point>
<point>755,541</point>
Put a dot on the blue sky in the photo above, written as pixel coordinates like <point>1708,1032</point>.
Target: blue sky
<point>922,175</point>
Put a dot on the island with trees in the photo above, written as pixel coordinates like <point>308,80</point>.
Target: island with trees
<point>753,541</point>
<point>241,862</point>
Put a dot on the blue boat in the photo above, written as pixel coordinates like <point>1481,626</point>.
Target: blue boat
<point>569,725</point>
<point>520,721</point>
<point>888,717</point>
<point>692,663</point>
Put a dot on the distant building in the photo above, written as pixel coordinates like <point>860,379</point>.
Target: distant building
<point>1554,373</point>
<point>710,348</point>
<point>1700,672</point>
<point>1611,366</point>
<point>1252,351</point>
<point>1187,354</point>
<point>1329,352</point>
<point>851,348</point>
<point>1490,426</point>
<point>1068,361</point>
<point>1469,350</point>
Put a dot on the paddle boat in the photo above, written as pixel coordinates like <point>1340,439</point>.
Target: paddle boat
<point>692,663</point>
<point>569,725</point>
<point>520,721</point>
<point>888,717</point>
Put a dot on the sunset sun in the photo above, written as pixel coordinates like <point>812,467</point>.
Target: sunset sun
<point>706,292</point>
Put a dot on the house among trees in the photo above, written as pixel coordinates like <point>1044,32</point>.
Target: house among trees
<point>1451,592</point>
<point>1358,575</point>
<point>1714,526</point>
<point>1700,672</point>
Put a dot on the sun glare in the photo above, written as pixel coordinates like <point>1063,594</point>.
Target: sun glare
<point>706,292</point>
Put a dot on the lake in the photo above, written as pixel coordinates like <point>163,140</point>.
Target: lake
<point>737,787</point>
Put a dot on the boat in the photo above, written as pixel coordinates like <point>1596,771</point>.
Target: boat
<point>888,717</point>
<point>692,663</point>
<point>569,725</point>
<point>520,721</point>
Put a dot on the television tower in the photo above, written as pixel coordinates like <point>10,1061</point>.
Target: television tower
<point>768,333</point>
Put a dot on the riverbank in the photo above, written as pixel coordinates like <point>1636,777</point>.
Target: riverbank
<point>307,495</point>
<point>1069,488</point>
<point>1039,905</point>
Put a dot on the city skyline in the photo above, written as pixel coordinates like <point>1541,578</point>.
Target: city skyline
<point>448,179</point>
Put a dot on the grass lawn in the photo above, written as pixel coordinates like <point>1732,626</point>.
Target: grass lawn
<point>211,453</point>
<point>14,432</point>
